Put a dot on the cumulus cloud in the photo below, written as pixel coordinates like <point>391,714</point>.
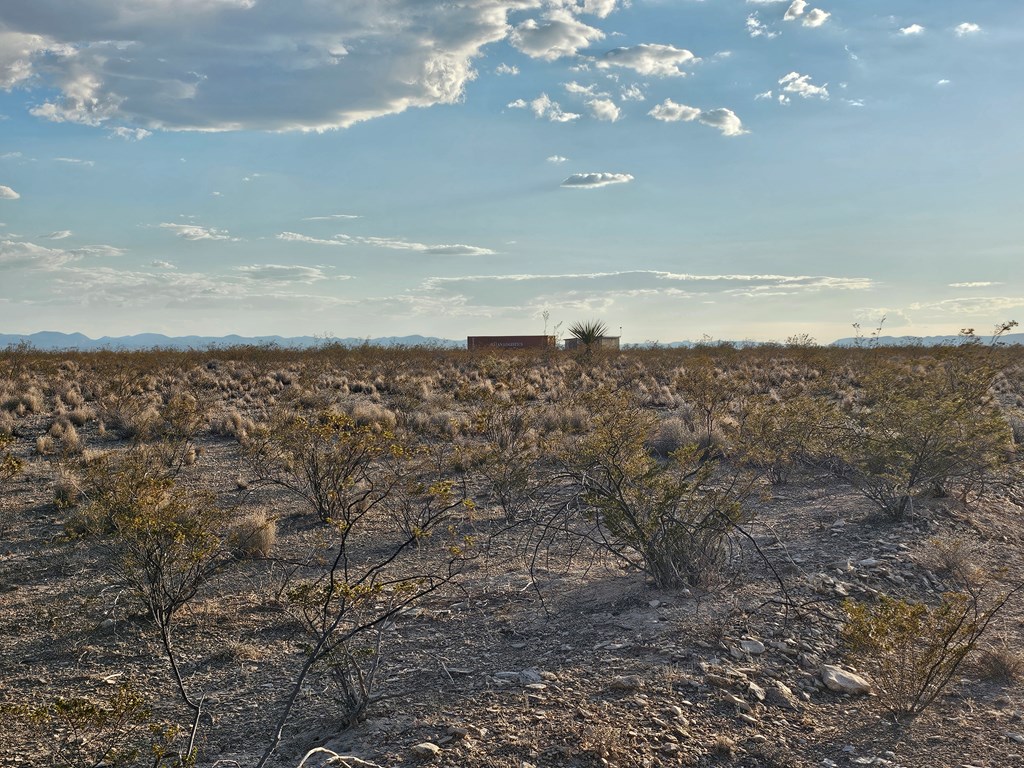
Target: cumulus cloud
<point>544,107</point>
<point>557,159</point>
<point>815,18</point>
<point>913,29</point>
<point>60,234</point>
<point>196,232</point>
<point>270,65</point>
<point>6,193</point>
<point>967,28</point>
<point>757,28</point>
<point>649,59</point>
<point>604,109</point>
<point>160,264</point>
<point>558,34</point>
<point>802,86</point>
<point>506,69</point>
<point>396,244</point>
<point>725,120</point>
<point>595,180</point>
<point>632,92</point>
<point>795,10</point>
<point>120,132</point>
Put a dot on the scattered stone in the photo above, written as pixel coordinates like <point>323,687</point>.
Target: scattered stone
<point>748,719</point>
<point>737,702</point>
<point>425,749</point>
<point>843,681</point>
<point>756,691</point>
<point>626,683</point>
<point>1015,737</point>
<point>753,647</point>
<point>530,676</point>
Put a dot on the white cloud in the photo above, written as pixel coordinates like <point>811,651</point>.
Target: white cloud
<point>75,161</point>
<point>160,264</point>
<point>649,59</point>
<point>544,107</point>
<point>632,93</point>
<point>10,156</point>
<point>557,159</point>
<point>943,81</point>
<point>333,217</point>
<point>26,255</point>
<point>279,273</point>
<point>795,10</point>
<point>763,96</point>
<point>559,34</point>
<point>967,28</point>
<point>815,18</point>
<point>802,86</point>
<point>595,180</point>
<point>974,284</point>
<point>220,65</point>
<point>670,112</point>
<point>725,120</point>
<point>60,234</point>
<point>974,305</point>
<point>128,134</point>
<point>604,109</point>
<point>506,69</point>
<point>196,232</point>
<point>913,29</point>
<point>397,244</point>
<point>757,28</point>
<point>6,193</point>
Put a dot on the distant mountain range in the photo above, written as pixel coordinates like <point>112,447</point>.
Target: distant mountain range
<point>53,340</point>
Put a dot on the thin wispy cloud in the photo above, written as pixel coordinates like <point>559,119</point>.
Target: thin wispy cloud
<point>596,180</point>
<point>197,232</point>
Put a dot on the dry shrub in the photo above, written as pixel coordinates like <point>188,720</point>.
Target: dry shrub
<point>253,537</point>
<point>6,424</point>
<point>233,424</point>
<point>1000,664</point>
<point>672,434</point>
<point>67,490</point>
<point>370,414</point>
<point>46,445</point>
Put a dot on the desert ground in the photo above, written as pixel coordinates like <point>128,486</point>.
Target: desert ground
<point>772,556</point>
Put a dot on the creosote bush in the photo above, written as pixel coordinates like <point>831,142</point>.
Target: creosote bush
<point>913,650</point>
<point>672,519</point>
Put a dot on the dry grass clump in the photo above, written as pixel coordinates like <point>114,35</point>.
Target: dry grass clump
<point>253,537</point>
<point>6,424</point>
<point>672,434</point>
<point>23,403</point>
<point>371,414</point>
<point>233,424</point>
<point>67,491</point>
<point>1000,664</point>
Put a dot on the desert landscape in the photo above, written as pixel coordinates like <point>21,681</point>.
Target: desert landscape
<point>780,555</point>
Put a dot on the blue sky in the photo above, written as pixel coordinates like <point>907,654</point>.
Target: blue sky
<point>741,169</point>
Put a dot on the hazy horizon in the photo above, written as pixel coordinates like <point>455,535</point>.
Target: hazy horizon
<point>741,169</point>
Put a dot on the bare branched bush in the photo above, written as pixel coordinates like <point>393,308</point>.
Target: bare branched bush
<point>324,459</point>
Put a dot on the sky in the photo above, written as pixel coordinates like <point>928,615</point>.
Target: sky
<point>678,169</point>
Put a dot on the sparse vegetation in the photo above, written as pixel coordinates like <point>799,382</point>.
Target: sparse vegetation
<point>270,548</point>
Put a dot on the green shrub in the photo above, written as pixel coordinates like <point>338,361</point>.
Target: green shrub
<point>672,519</point>
<point>913,650</point>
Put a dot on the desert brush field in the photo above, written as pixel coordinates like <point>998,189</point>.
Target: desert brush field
<point>782,555</point>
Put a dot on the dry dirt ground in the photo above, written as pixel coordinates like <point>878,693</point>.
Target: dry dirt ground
<point>532,657</point>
